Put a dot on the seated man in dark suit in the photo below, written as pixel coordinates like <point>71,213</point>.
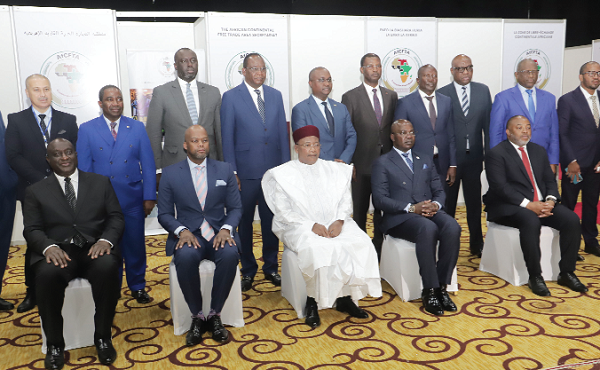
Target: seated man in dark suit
<point>407,188</point>
<point>72,224</point>
<point>201,190</point>
<point>523,194</point>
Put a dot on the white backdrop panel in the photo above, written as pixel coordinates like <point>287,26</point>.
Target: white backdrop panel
<point>574,59</point>
<point>74,48</point>
<point>596,50</point>
<point>9,96</point>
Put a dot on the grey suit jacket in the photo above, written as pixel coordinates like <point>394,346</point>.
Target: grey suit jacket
<point>474,124</point>
<point>169,112</point>
<point>373,140</point>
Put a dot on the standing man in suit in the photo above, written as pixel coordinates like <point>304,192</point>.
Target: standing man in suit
<point>27,136</point>
<point>371,109</point>
<point>255,139</point>
<point>537,105</point>
<point>118,148</point>
<point>8,204</point>
<point>407,187</point>
<point>179,104</point>
<point>578,119</point>
<point>523,194</point>
<point>200,190</point>
<point>432,118</point>
<point>471,106</point>
<point>338,137</point>
<point>72,223</point>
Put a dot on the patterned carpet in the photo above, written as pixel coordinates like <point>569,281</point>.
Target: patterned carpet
<point>497,326</point>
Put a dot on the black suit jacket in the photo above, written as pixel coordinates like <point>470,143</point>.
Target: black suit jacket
<point>372,140</point>
<point>579,136</point>
<point>474,124</point>
<point>25,148</point>
<point>509,181</point>
<point>48,219</point>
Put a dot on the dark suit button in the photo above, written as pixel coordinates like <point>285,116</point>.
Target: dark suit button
<point>127,176</point>
<point>100,148</point>
<point>110,162</point>
<point>47,170</point>
<point>126,161</point>
<point>74,225</point>
<point>265,129</point>
<point>265,143</point>
<point>131,146</point>
<point>112,177</point>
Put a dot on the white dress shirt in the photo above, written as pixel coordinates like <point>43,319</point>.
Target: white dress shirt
<point>253,94</point>
<point>370,95</point>
<point>459,92</point>
<point>588,99</point>
<point>321,107</point>
<point>108,122</point>
<point>525,96</point>
<point>194,88</point>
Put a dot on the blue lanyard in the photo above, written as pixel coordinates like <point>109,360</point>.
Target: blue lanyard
<point>44,132</point>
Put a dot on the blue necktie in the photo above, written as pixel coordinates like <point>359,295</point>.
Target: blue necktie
<point>531,105</point>
<point>191,104</point>
<point>409,161</point>
<point>329,118</point>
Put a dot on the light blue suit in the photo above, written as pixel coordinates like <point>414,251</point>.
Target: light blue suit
<point>343,143</point>
<point>121,161</point>
<point>544,128</point>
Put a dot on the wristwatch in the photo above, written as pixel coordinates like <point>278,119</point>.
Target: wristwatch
<point>411,209</point>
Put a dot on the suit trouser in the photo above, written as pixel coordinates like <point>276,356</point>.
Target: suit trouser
<point>251,194</point>
<point>529,224</point>
<point>361,195</point>
<point>590,193</point>
<point>51,282</point>
<point>187,261</point>
<point>425,233</point>
<point>8,205</point>
<point>28,268</point>
<point>470,174</point>
<point>133,249</point>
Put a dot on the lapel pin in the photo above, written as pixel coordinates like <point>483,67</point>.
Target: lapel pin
<point>127,126</point>
<point>417,157</point>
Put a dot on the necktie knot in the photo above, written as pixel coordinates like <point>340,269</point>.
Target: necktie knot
<point>529,92</point>
<point>42,116</point>
<point>375,91</point>
<point>257,92</point>
<point>594,98</point>
<point>430,98</point>
<point>464,88</point>
<point>68,180</point>
<point>408,161</point>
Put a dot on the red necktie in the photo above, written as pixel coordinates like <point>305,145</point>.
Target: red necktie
<point>529,172</point>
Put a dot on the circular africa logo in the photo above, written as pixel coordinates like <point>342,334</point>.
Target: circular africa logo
<point>543,63</point>
<point>400,68</point>
<point>165,67</point>
<point>67,72</point>
<point>233,71</point>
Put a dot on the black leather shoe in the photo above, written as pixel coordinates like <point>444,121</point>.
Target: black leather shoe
<point>55,357</point>
<point>312,318</point>
<point>194,336</point>
<point>431,303</point>
<point>571,281</point>
<point>580,257</point>
<point>219,333</point>
<point>141,296</point>
<point>274,278</point>
<point>592,249</point>
<point>345,304</point>
<point>6,305</point>
<point>28,303</point>
<point>247,283</point>
<point>106,352</point>
<point>538,286</point>
<point>444,299</point>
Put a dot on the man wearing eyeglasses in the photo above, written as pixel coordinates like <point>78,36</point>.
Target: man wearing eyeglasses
<point>537,105</point>
<point>578,119</point>
<point>338,137</point>
<point>255,139</point>
<point>371,109</point>
<point>471,106</point>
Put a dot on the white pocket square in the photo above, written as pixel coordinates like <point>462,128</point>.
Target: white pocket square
<point>61,132</point>
<point>425,166</point>
<point>221,183</point>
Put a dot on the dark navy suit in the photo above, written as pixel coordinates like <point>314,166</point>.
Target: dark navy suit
<point>252,147</point>
<point>177,194</point>
<point>338,146</point>
<point>129,164</point>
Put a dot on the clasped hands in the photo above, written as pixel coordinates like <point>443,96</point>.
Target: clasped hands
<point>542,209</point>
<point>426,208</point>
<point>334,229</point>
<point>59,257</point>
<point>187,237</point>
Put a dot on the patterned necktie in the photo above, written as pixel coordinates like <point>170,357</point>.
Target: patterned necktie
<point>595,110</point>
<point>377,107</point>
<point>261,105</point>
<point>531,105</point>
<point>465,101</point>
<point>78,239</point>
<point>112,130</point>
<point>191,104</point>
<point>409,161</point>
<point>201,190</point>
<point>432,114</point>
<point>43,127</point>
<point>329,118</point>
<point>529,172</point>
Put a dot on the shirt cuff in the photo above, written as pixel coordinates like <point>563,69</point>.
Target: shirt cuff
<point>407,207</point>
<point>108,241</point>
<point>179,230</point>
<point>227,227</point>
<point>159,170</point>
<point>452,166</point>
<point>551,197</point>
<point>524,203</point>
<point>50,246</point>
<point>438,203</point>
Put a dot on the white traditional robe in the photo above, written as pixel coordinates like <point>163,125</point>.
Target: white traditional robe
<point>301,195</point>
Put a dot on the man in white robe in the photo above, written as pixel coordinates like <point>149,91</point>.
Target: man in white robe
<point>312,204</point>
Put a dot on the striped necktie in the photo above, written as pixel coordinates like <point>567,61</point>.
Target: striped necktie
<point>465,101</point>
<point>201,186</point>
<point>261,105</point>
<point>408,161</point>
<point>191,104</point>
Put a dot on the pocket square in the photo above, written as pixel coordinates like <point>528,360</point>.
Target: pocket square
<point>425,166</point>
<point>62,132</point>
<point>221,183</point>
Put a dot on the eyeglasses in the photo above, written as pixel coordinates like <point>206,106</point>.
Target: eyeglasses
<point>529,72</point>
<point>322,80</point>
<point>257,69</point>
<point>593,73</point>
<point>310,145</point>
<point>406,133</point>
<point>463,69</point>
<point>372,66</point>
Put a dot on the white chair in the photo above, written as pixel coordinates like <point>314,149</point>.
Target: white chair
<point>502,255</point>
<point>293,286</point>
<point>400,268</point>
<point>78,309</point>
<point>233,310</point>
